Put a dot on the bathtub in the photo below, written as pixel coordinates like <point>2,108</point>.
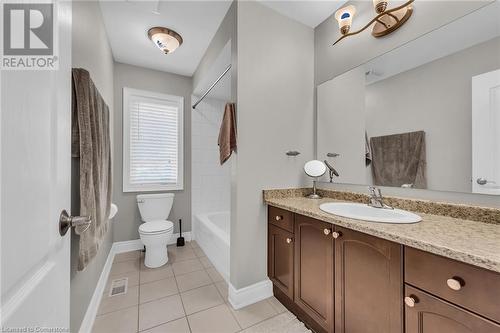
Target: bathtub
<point>211,232</point>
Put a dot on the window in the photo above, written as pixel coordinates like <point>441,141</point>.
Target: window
<point>152,141</point>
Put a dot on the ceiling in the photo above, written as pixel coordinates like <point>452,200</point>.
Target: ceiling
<point>127,23</point>
<point>310,13</point>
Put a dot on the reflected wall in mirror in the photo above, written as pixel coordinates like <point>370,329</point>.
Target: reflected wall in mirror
<point>425,115</point>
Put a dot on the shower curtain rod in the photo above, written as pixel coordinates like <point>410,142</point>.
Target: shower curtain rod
<point>212,86</point>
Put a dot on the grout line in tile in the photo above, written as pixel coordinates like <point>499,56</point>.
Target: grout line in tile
<point>121,309</point>
<point>275,315</point>
<point>213,306</point>
<point>139,296</point>
<point>183,307</point>
<point>262,321</point>
<point>197,270</point>
<point>149,282</point>
<point>232,314</point>
<point>149,328</point>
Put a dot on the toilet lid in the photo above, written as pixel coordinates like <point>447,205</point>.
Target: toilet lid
<point>158,226</point>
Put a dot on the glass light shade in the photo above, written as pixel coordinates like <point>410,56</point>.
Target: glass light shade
<point>344,18</point>
<point>165,39</point>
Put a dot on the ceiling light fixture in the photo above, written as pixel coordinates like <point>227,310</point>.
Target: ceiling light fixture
<point>386,21</point>
<point>165,39</point>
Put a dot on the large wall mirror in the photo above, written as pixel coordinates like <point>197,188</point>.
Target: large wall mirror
<point>425,115</point>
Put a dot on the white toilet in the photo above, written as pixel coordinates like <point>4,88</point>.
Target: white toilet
<point>155,231</point>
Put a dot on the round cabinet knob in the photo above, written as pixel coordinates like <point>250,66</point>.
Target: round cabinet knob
<point>455,283</point>
<point>336,234</point>
<point>410,301</point>
<point>326,231</point>
<point>288,240</point>
<point>279,217</point>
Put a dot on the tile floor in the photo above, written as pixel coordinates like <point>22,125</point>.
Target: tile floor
<point>186,295</point>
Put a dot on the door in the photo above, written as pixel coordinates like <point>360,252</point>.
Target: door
<point>35,185</point>
<point>486,133</point>
<point>280,261</point>
<point>314,259</point>
<point>368,284</point>
<point>428,314</point>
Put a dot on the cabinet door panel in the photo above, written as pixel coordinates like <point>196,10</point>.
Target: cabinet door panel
<point>314,259</point>
<point>433,315</point>
<point>280,259</point>
<point>368,284</point>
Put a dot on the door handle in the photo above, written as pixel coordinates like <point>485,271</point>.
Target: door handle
<point>484,181</point>
<point>66,221</point>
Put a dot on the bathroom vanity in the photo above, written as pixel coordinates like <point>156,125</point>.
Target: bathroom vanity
<point>343,275</point>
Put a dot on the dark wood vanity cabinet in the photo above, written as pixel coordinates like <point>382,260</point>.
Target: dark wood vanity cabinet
<point>314,270</point>
<point>368,284</point>
<point>338,280</point>
<point>343,280</point>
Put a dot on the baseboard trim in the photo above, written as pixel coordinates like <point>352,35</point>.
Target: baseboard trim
<point>90,314</point>
<point>127,246</point>
<point>117,247</point>
<point>239,298</point>
<point>187,237</point>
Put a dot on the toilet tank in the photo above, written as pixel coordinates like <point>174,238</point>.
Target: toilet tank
<point>155,206</point>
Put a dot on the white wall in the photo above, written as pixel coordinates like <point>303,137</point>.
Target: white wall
<point>92,52</point>
<point>210,182</point>
<point>275,114</point>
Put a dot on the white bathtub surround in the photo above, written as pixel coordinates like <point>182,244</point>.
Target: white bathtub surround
<point>211,182</point>
<point>239,298</point>
<point>213,236</point>
<point>211,185</point>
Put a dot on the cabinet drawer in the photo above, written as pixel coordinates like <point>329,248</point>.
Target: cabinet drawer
<point>428,314</point>
<point>280,218</point>
<point>473,288</point>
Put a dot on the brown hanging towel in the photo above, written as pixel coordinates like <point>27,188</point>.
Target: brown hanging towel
<point>91,145</point>
<point>227,134</point>
<point>399,160</point>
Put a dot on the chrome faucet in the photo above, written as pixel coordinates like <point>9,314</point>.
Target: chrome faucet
<point>331,171</point>
<point>376,199</point>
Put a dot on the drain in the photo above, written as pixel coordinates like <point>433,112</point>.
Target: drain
<point>118,287</point>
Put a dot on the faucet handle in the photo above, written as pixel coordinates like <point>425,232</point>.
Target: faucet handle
<point>375,192</point>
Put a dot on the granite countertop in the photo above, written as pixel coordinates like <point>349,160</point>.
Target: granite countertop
<point>471,242</point>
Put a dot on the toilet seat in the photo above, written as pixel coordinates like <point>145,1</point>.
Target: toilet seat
<point>156,227</point>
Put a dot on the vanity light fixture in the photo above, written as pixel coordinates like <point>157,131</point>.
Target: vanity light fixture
<point>165,39</point>
<point>386,21</point>
<point>344,17</point>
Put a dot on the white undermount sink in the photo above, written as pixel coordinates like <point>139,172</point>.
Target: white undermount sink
<point>364,212</point>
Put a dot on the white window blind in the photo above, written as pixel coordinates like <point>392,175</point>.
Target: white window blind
<point>154,141</point>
